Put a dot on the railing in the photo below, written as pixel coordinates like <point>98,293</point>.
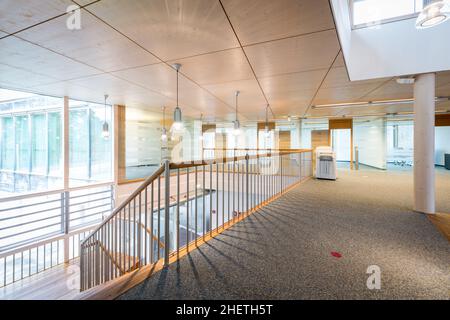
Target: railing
<point>40,231</point>
<point>183,203</point>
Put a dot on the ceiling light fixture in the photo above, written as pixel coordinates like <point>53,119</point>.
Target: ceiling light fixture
<point>434,13</point>
<point>105,130</point>
<point>373,103</point>
<point>177,114</point>
<point>164,130</point>
<point>405,80</point>
<point>237,125</point>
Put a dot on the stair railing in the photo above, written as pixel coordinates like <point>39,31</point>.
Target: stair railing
<point>184,204</point>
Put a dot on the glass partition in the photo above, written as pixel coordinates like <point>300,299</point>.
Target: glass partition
<point>30,143</point>
<point>90,153</point>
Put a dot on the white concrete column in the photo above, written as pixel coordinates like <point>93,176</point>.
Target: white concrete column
<point>424,115</point>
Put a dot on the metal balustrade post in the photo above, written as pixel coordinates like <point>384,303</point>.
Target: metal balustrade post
<point>246,181</point>
<point>65,211</point>
<point>166,212</point>
<point>281,168</point>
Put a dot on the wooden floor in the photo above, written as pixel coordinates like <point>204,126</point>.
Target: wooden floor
<point>58,283</point>
<point>442,222</point>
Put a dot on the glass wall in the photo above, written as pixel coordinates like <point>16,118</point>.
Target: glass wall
<point>400,142</point>
<point>90,153</point>
<point>30,143</point>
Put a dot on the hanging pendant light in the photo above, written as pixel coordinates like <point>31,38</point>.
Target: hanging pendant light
<point>177,115</point>
<point>164,131</point>
<point>237,124</point>
<point>105,130</point>
<point>434,12</point>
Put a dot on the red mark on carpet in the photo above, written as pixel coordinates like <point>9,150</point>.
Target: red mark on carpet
<point>336,254</point>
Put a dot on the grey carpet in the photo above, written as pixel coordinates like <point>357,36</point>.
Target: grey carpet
<point>284,250</point>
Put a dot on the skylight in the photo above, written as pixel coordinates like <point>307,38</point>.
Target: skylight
<point>367,13</point>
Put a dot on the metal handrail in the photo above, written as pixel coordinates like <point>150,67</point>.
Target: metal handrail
<point>52,192</point>
<point>127,201</point>
<point>252,181</point>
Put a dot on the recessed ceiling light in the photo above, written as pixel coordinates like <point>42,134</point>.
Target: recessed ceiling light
<point>405,80</point>
<point>436,12</point>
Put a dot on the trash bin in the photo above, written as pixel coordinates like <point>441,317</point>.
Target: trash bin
<point>447,161</point>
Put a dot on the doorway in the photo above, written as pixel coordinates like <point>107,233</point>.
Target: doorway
<point>341,144</point>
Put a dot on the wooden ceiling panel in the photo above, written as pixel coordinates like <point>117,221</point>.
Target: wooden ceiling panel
<point>204,102</point>
<point>295,106</point>
<point>292,84</point>
<point>340,94</point>
<point>218,67</point>
<point>157,77</point>
<point>304,53</point>
<point>170,29</point>
<point>264,20</point>
<point>340,62</point>
<point>19,14</point>
<point>250,97</point>
<point>443,90</point>
<point>391,90</point>
<point>108,84</point>
<point>337,88</point>
<point>96,44</point>
<point>442,79</point>
<point>338,77</point>
<point>24,55</point>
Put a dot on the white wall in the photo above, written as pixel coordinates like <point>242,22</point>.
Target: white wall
<point>370,137</point>
<point>391,49</point>
<point>442,144</point>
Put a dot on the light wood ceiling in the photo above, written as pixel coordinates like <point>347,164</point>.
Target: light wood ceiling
<point>284,53</point>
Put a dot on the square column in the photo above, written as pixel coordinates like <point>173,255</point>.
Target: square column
<point>424,117</point>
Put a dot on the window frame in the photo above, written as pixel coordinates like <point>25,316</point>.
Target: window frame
<point>378,22</point>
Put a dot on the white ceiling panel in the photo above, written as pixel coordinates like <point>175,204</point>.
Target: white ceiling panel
<point>12,77</point>
<point>170,29</point>
<point>265,20</point>
<point>63,88</point>
<point>96,44</point>
<point>218,67</point>
<point>304,53</point>
<point>24,55</point>
<point>16,15</point>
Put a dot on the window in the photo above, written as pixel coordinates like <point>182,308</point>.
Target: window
<point>89,152</point>
<point>30,142</point>
<point>372,12</point>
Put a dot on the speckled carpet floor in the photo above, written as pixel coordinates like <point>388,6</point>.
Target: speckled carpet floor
<point>284,251</point>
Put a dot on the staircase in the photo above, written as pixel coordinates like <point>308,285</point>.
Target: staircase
<point>181,204</point>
